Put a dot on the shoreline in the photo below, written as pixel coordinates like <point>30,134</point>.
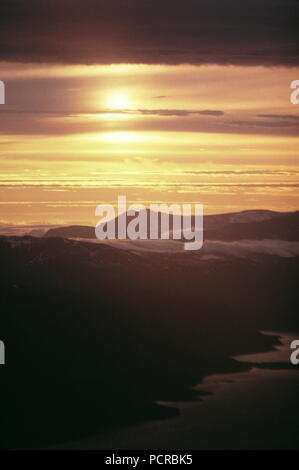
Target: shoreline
<point>210,389</point>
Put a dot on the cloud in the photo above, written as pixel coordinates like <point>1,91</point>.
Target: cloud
<point>252,32</point>
<point>22,122</point>
<point>282,126</point>
<point>246,172</point>
<point>212,249</point>
<point>173,112</point>
<point>280,116</point>
<point>209,112</point>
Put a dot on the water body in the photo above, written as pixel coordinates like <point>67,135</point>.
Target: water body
<point>256,409</point>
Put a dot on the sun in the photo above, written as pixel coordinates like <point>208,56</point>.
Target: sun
<point>122,137</point>
<point>118,99</point>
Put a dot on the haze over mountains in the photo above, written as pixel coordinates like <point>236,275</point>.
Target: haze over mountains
<point>96,335</point>
<point>255,224</point>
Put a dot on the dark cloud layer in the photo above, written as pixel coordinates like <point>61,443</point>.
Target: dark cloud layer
<point>61,123</point>
<point>247,32</point>
<point>288,117</point>
<point>174,112</point>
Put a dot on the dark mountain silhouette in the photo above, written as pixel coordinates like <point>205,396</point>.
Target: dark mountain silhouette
<point>282,227</point>
<point>72,231</point>
<point>95,335</point>
<point>211,222</point>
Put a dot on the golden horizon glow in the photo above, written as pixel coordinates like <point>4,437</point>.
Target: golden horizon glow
<point>217,135</point>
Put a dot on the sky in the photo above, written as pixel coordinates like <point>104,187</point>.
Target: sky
<point>174,102</point>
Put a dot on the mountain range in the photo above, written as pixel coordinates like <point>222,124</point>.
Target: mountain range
<point>96,335</point>
<point>255,224</point>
